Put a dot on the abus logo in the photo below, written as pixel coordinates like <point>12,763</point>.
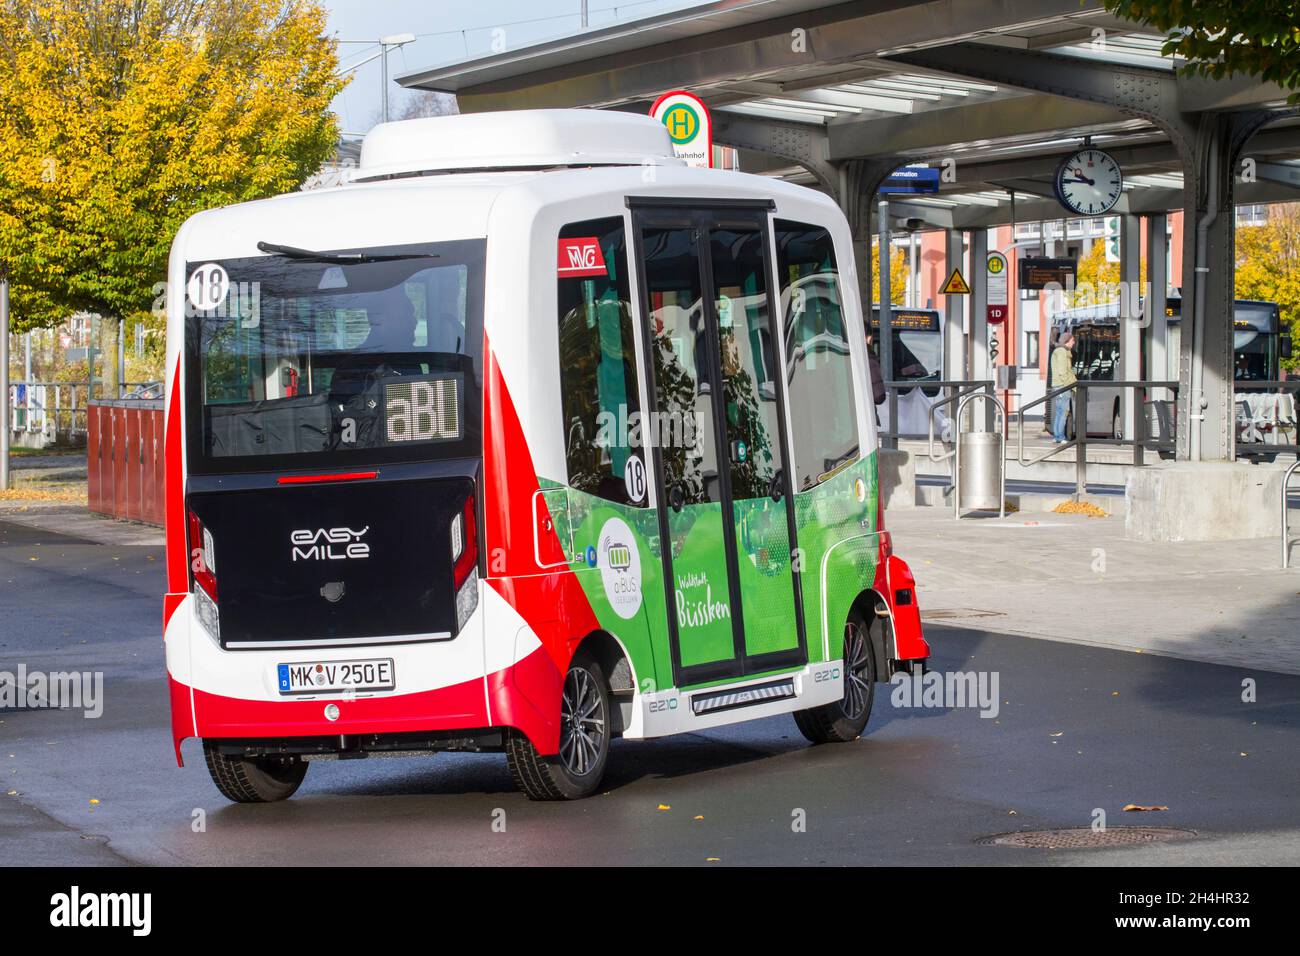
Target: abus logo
<point>581,257</point>
<point>620,556</point>
<point>329,544</point>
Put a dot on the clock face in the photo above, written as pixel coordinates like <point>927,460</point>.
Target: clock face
<point>1089,182</point>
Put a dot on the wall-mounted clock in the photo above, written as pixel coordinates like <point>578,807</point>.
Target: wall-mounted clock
<point>1088,182</point>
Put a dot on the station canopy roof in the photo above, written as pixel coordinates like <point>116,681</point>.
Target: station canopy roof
<point>789,81</point>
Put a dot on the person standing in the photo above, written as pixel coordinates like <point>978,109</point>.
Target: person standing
<point>1062,369</point>
<point>877,380</point>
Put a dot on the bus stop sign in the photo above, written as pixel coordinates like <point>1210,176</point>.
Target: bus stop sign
<point>997,288</point>
<point>689,126</point>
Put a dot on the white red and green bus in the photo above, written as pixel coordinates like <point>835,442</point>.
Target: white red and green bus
<point>522,441</point>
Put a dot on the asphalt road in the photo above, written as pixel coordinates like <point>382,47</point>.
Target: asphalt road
<point>1078,728</point>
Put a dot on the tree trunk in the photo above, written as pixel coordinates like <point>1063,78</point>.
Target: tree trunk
<point>110,331</point>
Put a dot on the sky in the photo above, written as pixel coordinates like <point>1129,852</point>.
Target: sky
<point>449,30</point>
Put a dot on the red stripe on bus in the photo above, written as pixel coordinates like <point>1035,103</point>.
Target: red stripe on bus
<point>178,580</point>
<point>313,479</point>
<point>550,600</point>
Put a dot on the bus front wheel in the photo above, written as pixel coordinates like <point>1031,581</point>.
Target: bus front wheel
<point>576,771</point>
<point>846,718</point>
<point>254,779</point>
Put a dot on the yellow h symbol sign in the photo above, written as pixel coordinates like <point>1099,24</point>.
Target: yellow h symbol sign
<point>681,122</point>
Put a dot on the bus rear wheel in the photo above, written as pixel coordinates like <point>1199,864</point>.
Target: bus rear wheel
<point>576,771</point>
<point>846,718</point>
<point>254,779</point>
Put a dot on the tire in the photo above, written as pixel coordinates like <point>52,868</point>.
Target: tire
<point>1117,425</point>
<point>254,779</point>
<point>1069,426</point>
<point>846,719</point>
<point>576,771</point>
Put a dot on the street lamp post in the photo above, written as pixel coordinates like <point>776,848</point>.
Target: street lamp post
<point>4,377</point>
<point>391,42</point>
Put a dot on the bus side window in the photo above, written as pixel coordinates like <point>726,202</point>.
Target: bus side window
<point>599,400</point>
<point>823,408</point>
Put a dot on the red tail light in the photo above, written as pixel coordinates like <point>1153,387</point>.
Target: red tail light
<point>464,552</point>
<point>202,557</point>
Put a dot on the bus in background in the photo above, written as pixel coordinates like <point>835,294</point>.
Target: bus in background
<point>1259,345</point>
<point>520,458</point>
<point>1258,342</point>
<point>917,359</point>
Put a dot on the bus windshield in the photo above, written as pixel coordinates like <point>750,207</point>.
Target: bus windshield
<point>1252,355</point>
<point>918,355</point>
<point>308,362</point>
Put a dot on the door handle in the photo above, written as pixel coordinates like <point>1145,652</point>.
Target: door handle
<point>676,497</point>
<point>775,489</point>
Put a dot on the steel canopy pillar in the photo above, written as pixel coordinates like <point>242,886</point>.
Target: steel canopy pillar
<point>978,362</point>
<point>1206,414</point>
<point>954,339</point>
<point>1130,318</point>
<point>886,344</point>
<point>1153,308</point>
<point>1157,330</point>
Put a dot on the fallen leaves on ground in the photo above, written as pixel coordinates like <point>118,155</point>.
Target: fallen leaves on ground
<point>42,494</point>
<point>1128,807</point>
<point>1079,508</point>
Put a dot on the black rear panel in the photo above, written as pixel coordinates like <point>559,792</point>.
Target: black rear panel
<point>334,561</point>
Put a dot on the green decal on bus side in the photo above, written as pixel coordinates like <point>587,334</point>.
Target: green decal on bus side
<point>837,554</point>
<point>838,551</point>
<point>766,577</point>
<point>701,596</point>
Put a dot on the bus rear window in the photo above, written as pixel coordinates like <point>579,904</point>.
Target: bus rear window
<point>306,362</point>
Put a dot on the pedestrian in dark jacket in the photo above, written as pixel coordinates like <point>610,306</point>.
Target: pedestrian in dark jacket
<point>877,379</point>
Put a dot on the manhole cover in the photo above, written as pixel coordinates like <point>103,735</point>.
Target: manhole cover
<point>1082,838</point>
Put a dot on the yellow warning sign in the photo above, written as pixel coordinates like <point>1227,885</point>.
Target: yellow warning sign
<point>955,285</point>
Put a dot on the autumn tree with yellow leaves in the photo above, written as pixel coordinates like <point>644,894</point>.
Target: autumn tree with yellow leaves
<point>897,274</point>
<point>1268,267</point>
<point>119,119</point>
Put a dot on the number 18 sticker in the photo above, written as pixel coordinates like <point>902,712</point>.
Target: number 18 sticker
<point>634,479</point>
<point>208,287</point>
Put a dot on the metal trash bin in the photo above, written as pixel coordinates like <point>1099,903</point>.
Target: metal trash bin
<point>981,471</point>
<point>979,475</point>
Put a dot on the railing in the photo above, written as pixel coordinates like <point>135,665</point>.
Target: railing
<point>955,389</point>
<point>1078,392</point>
<point>963,399</point>
<point>58,409</point>
<point>1286,531</point>
<point>52,408</point>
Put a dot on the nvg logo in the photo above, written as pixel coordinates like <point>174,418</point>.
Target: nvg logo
<point>329,544</point>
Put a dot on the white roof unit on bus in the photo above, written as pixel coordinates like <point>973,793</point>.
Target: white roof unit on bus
<point>517,139</point>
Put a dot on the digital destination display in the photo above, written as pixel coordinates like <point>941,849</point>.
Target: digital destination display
<point>423,409</point>
<point>905,319</point>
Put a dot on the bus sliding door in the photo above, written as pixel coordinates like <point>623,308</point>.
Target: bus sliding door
<point>724,492</point>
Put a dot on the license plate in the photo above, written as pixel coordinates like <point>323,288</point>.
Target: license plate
<point>315,677</point>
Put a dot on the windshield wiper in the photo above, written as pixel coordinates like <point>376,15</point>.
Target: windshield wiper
<point>337,258</point>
